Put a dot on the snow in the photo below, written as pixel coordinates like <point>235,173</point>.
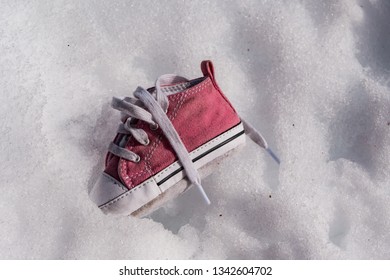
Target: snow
<point>313,76</point>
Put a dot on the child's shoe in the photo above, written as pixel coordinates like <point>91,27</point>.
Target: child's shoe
<point>170,137</point>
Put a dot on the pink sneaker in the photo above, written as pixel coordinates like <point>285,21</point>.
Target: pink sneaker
<point>170,137</point>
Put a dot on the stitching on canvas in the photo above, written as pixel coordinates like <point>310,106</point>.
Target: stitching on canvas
<point>178,106</point>
<point>175,110</point>
<point>182,96</point>
<point>150,154</point>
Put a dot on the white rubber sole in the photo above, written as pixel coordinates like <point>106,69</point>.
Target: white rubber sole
<point>170,182</point>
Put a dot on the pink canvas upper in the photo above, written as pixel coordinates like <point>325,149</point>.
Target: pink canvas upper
<point>198,114</point>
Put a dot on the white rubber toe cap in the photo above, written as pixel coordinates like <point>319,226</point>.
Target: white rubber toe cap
<point>106,189</point>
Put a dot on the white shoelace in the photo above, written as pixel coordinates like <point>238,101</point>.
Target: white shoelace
<point>152,109</point>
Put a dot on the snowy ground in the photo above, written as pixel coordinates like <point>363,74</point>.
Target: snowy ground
<point>313,76</point>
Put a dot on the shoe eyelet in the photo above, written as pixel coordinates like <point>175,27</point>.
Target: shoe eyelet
<point>154,126</point>
<point>147,142</point>
<point>137,159</point>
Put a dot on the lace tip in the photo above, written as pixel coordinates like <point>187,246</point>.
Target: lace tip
<point>272,154</point>
<point>203,193</point>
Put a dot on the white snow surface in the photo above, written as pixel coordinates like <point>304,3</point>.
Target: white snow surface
<point>312,76</point>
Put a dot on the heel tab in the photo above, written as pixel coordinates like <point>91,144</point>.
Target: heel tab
<point>207,68</point>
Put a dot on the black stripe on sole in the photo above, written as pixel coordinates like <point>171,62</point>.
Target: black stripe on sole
<point>201,156</point>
